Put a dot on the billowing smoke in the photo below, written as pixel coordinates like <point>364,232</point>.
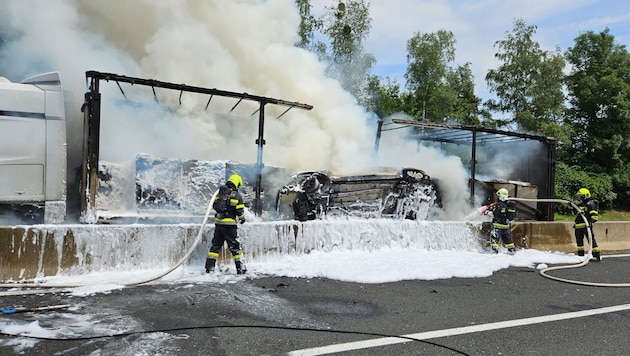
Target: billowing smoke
<point>237,45</point>
<point>448,171</point>
<point>241,46</point>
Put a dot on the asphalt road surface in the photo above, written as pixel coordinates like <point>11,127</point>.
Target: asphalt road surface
<point>515,311</point>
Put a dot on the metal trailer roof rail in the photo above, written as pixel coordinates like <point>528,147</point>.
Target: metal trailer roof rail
<point>92,117</point>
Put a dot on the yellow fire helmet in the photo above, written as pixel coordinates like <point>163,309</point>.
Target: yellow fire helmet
<point>236,180</point>
<point>502,194</point>
<point>583,193</point>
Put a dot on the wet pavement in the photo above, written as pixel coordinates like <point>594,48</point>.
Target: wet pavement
<point>515,311</point>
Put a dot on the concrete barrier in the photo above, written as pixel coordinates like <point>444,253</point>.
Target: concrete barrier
<point>29,252</point>
<point>611,236</point>
<point>34,252</point>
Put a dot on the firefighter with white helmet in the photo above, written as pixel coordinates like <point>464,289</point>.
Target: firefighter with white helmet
<point>503,213</point>
<point>587,215</point>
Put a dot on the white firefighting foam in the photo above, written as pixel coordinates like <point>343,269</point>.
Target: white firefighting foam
<point>111,254</point>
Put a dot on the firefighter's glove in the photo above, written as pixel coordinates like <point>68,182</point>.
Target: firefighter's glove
<point>242,220</point>
<point>485,210</point>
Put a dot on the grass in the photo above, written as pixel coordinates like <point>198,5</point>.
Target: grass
<point>604,215</point>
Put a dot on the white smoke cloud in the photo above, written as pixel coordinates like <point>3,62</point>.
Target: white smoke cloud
<point>447,171</point>
<point>236,45</point>
<point>242,46</point>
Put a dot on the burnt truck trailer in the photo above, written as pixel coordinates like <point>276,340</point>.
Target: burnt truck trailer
<point>33,148</point>
<point>34,179</point>
<point>409,193</point>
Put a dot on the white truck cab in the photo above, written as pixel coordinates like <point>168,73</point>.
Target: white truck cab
<point>33,146</point>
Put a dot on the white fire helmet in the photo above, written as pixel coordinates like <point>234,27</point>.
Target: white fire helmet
<point>502,194</point>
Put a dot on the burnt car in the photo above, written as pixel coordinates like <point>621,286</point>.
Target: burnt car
<point>409,193</point>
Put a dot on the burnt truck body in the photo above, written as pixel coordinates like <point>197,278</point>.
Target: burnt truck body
<point>409,193</point>
<point>33,149</point>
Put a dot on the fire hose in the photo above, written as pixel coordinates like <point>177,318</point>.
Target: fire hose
<point>53,287</point>
<point>589,255</point>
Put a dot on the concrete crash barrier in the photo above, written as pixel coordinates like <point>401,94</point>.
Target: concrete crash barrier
<point>33,252</point>
<point>611,236</point>
<point>37,251</point>
<point>28,252</point>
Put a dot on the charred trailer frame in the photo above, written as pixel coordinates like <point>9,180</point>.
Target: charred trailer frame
<point>92,118</point>
<point>539,171</point>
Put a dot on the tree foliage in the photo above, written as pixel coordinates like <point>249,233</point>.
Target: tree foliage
<point>386,97</point>
<point>309,26</point>
<point>467,107</point>
<point>347,24</point>
<point>438,91</point>
<point>569,179</point>
<point>528,83</point>
<point>428,56</point>
<point>343,29</point>
<point>599,113</point>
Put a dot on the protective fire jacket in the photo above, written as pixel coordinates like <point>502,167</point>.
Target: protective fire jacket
<point>235,210</point>
<point>503,213</point>
<point>590,209</point>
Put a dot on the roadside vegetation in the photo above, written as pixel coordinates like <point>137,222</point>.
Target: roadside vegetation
<point>586,110</point>
<point>604,215</point>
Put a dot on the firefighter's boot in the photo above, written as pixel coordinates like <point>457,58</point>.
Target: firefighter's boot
<point>240,267</point>
<point>494,244</point>
<point>596,255</point>
<point>210,262</point>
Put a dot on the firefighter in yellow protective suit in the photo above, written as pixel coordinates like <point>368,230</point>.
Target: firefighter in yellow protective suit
<point>587,215</point>
<point>230,211</point>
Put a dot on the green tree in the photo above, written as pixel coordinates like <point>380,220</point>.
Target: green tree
<point>528,83</point>
<point>428,56</point>
<point>599,112</point>
<point>309,26</point>
<point>599,96</point>
<point>347,25</point>
<point>571,178</point>
<point>439,92</point>
<point>386,97</point>
<point>467,108</point>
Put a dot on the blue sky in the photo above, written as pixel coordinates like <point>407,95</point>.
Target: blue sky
<point>477,25</point>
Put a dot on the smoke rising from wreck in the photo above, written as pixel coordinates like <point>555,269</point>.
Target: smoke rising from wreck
<point>240,46</point>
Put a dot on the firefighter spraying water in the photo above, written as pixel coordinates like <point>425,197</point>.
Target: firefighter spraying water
<point>503,212</point>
